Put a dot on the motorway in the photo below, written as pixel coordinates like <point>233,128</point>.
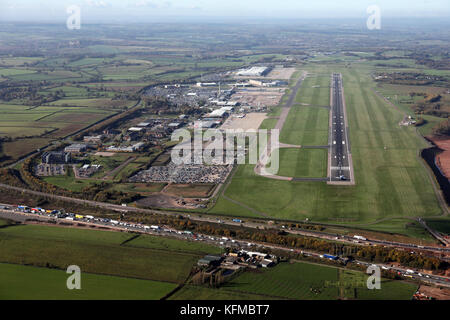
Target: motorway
<point>340,160</point>
<point>13,214</point>
<point>228,221</point>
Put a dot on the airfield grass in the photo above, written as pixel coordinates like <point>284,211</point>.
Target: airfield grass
<point>31,283</point>
<point>303,163</point>
<point>302,281</point>
<point>397,227</point>
<point>225,207</point>
<point>306,126</point>
<point>391,181</point>
<point>315,90</point>
<point>99,252</point>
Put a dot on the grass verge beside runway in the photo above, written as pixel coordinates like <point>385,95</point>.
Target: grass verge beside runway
<point>306,126</point>
<point>303,163</point>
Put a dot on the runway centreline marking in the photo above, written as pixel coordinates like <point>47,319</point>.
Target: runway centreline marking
<point>340,164</point>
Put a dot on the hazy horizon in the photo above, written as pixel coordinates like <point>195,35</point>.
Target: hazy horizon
<point>114,11</point>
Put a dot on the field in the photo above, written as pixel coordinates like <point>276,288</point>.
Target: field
<point>315,89</point>
<point>391,181</point>
<point>190,190</point>
<point>100,252</point>
<point>31,283</point>
<point>45,123</point>
<point>303,163</point>
<point>440,225</point>
<point>3,222</point>
<point>304,281</point>
<point>306,126</point>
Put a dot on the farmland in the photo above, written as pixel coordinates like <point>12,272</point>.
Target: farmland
<point>31,283</point>
<point>303,281</point>
<point>99,252</point>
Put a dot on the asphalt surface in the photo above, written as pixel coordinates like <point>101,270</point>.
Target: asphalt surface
<point>340,164</point>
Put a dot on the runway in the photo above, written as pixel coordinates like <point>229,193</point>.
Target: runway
<point>340,166</point>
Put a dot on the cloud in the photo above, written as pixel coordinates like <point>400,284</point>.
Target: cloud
<point>97,3</point>
<point>145,3</point>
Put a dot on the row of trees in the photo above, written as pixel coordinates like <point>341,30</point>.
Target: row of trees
<point>442,128</point>
<point>372,254</point>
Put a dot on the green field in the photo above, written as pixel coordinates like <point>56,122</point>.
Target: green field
<point>306,126</point>
<point>303,281</point>
<point>315,89</point>
<point>391,181</point>
<point>161,243</point>
<point>4,222</point>
<point>440,225</point>
<point>31,283</point>
<point>190,292</point>
<point>303,163</point>
<point>99,252</point>
<point>50,122</point>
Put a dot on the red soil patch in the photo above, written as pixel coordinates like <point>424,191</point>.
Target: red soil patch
<point>443,159</point>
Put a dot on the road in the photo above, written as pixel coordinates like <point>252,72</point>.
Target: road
<point>180,235</point>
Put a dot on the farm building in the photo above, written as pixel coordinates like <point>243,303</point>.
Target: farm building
<point>209,260</point>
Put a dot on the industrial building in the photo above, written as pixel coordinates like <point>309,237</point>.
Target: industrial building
<point>76,148</point>
<point>253,72</point>
<point>135,129</point>
<point>56,157</point>
<point>94,139</point>
<point>136,147</point>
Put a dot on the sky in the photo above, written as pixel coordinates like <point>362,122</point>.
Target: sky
<point>103,11</point>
